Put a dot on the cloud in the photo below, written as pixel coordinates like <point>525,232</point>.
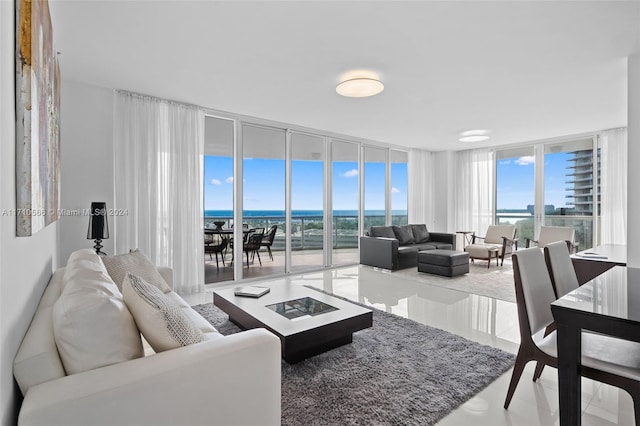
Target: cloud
<point>505,162</point>
<point>526,160</point>
<point>350,173</point>
<point>395,190</point>
<point>215,182</point>
<point>229,179</point>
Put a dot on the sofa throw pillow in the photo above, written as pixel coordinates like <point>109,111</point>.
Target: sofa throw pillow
<point>420,233</point>
<point>136,263</point>
<point>403,234</point>
<point>159,318</point>
<point>91,323</point>
<point>382,231</point>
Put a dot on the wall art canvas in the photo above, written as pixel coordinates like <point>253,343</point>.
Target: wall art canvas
<point>38,119</point>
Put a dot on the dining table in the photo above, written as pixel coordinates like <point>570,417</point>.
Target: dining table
<point>608,304</point>
<point>592,262</point>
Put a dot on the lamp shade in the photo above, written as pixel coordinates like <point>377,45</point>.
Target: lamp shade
<point>98,224</point>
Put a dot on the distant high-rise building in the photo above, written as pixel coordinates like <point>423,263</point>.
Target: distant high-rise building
<point>580,183</point>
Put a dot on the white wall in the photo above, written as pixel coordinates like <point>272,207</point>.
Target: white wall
<point>86,158</point>
<point>26,263</point>
<point>633,174</point>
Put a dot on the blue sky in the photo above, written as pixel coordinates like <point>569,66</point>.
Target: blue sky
<point>515,181</point>
<point>264,185</point>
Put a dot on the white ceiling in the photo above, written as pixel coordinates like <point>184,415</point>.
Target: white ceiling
<point>525,70</point>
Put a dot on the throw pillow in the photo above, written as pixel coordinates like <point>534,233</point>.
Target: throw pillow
<point>91,323</point>
<point>403,235</point>
<point>136,263</point>
<point>382,231</point>
<point>420,233</point>
<point>160,319</point>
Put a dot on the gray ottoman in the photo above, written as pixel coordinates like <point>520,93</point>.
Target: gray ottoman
<point>443,262</point>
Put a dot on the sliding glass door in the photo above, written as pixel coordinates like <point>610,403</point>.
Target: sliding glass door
<point>345,196</point>
<point>375,185</point>
<point>399,185</point>
<point>554,184</point>
<point>307,202</point>
<point>217,197</point>
<point>515,190</point>
<point>571,188</point>
<point>263,196</point>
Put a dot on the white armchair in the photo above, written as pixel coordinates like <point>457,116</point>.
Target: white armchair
<point>550,234</point>
<point>499,241</point>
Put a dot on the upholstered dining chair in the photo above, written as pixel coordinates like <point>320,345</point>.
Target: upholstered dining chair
<point>563,275</point>
<point>604,359</point>
<point>498,237</point>
<point>550,234</point>
<point>267,240</point>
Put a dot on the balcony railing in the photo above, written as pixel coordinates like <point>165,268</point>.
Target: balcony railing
<point>307,232</point>
<point>525,226</point>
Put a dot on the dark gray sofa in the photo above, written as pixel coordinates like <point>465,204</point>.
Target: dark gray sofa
<point>397,247</point>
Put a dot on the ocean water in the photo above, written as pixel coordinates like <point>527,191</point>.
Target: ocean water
<point>298,213</point>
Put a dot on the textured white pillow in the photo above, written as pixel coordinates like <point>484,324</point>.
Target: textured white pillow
<point>91,324</point>
<point>160,319</point>
<point>136,263</point>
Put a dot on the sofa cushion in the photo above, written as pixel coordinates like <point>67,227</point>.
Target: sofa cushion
<point>159,316</point>
<point>136,263</point>
<point>403,234</point>
<point>420,233</point>
<point>91,324</point>
<point>382,231</point>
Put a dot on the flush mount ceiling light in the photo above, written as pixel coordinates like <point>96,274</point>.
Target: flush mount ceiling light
<point>359,84</point>
<point>478,135</point>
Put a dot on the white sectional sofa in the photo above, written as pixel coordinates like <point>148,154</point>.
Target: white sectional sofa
<point>223,380</point>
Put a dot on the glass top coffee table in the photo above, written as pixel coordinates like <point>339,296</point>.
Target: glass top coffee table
<point>308,322</point>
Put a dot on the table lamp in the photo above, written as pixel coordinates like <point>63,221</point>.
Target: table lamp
<point>98,225</point>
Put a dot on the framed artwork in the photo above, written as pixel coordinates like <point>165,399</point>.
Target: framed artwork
<point>37,119</point>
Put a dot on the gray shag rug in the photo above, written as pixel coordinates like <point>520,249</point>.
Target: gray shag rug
<point>398,372</point>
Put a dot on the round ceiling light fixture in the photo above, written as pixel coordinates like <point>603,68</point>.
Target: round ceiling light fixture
<point>359,84</point>
<point>478,135</point>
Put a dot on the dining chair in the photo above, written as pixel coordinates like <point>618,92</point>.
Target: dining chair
<point>267,240</point>
<point>210,247</point>
<point>604,359</point>
<point>561,271</point>
<point>252,244</point>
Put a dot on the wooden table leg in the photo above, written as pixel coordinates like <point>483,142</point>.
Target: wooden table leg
<point>569,354</point>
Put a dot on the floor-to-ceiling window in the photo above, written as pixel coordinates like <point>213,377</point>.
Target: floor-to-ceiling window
<point>571,187</point>
<point>375,162</point>
<point>399,184</point>
<point>307,201</point>
<point>345,196</point>
<point>552,184</point>
<point>515,189</point>
<point>263,194</point>
<point>312,189</point>
<point>218,197</point>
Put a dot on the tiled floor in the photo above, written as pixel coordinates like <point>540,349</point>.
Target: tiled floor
<point>483,319</point>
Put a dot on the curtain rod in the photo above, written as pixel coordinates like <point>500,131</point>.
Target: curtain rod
<point>155,98</point>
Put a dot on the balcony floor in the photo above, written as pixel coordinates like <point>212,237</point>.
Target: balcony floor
<point>302,260</point>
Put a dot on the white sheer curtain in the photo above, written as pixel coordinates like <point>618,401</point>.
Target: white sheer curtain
<point>158,152</point>
<point>474,190</point>
<point>613,187</point>
<point>420,189</point>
